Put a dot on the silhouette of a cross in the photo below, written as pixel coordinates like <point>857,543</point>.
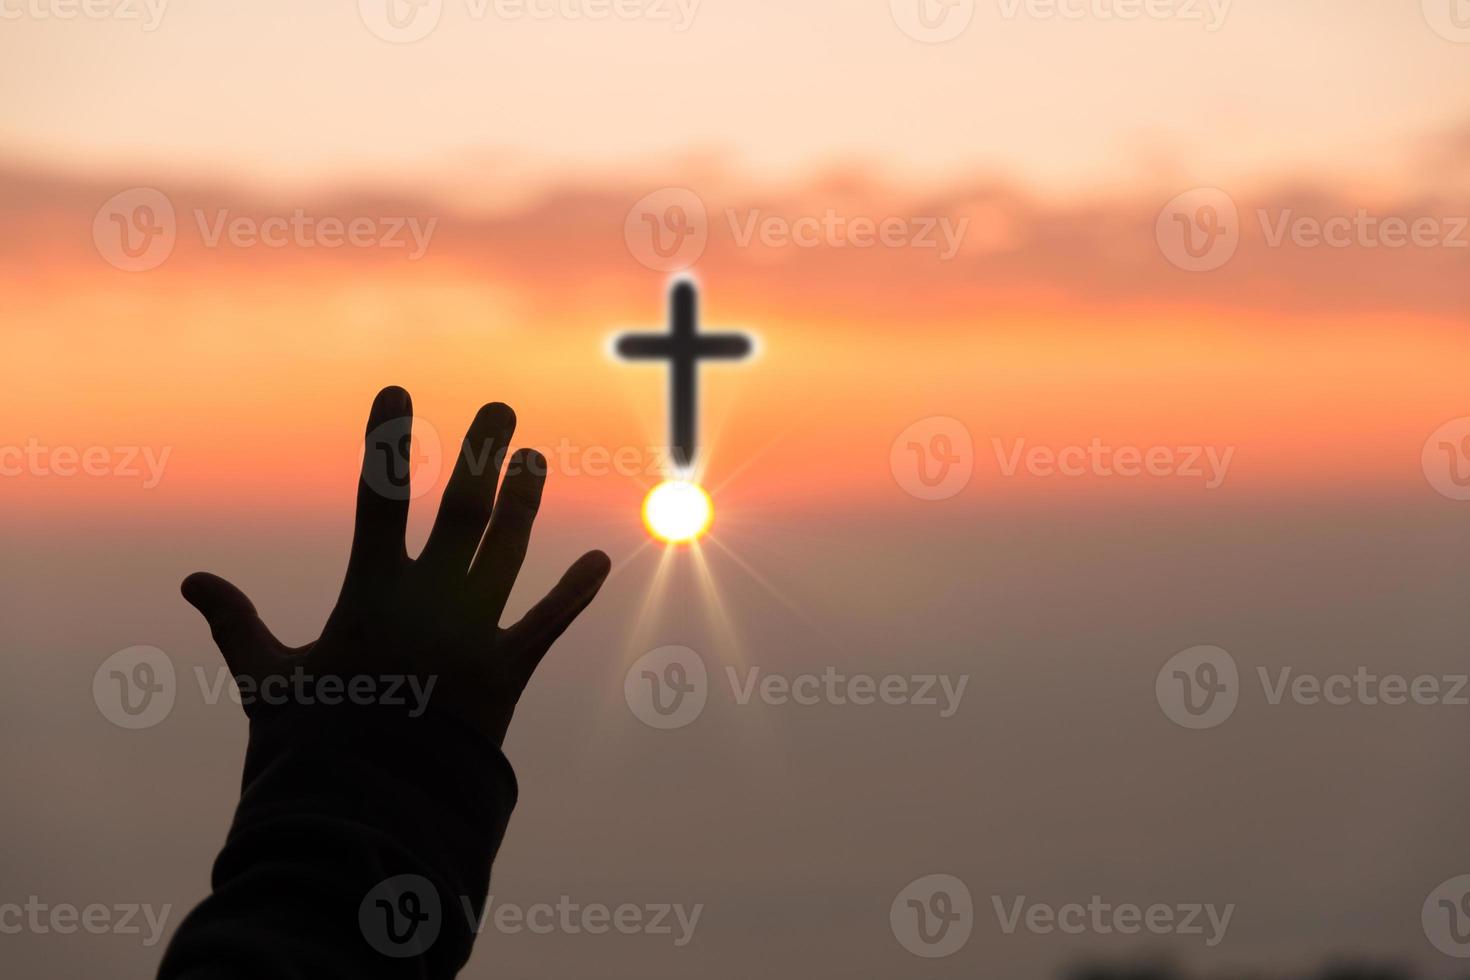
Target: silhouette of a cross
<point>683,347</point>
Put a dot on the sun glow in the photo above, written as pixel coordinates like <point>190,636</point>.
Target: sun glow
<point>677,511</point>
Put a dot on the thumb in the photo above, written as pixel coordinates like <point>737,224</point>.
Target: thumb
<point>244,640</point>
<point>546,621</point>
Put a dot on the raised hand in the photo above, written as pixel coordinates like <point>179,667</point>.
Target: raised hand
<point>435,618</point>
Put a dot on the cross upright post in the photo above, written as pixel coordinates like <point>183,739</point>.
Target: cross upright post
<point>683,347</point>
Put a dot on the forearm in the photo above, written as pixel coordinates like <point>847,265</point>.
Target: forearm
<point>335,802</point>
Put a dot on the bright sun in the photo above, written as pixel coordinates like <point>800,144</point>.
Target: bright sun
<point>677,511</point>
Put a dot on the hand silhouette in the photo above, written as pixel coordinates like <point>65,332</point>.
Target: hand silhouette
<point>434,617</point>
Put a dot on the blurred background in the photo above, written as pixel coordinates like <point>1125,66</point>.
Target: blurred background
<point>1091,332</point>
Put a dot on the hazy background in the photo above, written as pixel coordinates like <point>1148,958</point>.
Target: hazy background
<point>1061,318</point>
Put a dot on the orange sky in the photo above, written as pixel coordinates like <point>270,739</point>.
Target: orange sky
<point>1326,369</point>
<point>524,145</point>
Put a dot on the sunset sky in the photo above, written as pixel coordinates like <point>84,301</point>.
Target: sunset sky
<point>1035,292</point>
<point>486,106</point>
<point>1046,145</point>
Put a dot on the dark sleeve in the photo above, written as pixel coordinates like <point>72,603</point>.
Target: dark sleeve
<point>361,848</point>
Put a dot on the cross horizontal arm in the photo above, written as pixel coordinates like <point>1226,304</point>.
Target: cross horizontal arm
<point>722,345</point>
<point>644,346</point>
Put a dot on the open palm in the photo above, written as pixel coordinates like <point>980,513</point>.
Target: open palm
<point>435,618</point>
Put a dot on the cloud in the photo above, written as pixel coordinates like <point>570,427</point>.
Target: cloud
<point>811,247</point>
